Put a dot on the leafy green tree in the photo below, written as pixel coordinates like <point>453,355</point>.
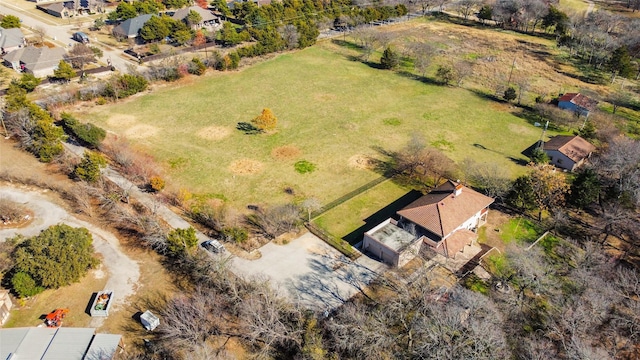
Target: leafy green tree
<point>28,82</point>
<point>64,71</point>
<point>146,7</point>
<point>181,240</point>
<point>58,256</point>
<point>390,59</point>
<point>588,131</point>
<point>510,94</point>
<point>485,13</point>
<point>521,194</point>
<point>585,188</point>
<point>229,35</point>
<point>620,63</point>
<point>46,140</point>
<point>222,7</point>
<point>89,168</point>
<point>10,21</point>
<point>538,156</point>
<point>175,4</point>
<point>193,18</point>
<point>124,11</point>
<point>16,97</point>
<point>444,74</point>
<point>182,37</point>
<point>556,18</point>
<point>155,29</point>
<point>24,285</point>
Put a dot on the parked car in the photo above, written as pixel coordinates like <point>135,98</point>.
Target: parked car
<point>214,246</point>
<point>81,37</point>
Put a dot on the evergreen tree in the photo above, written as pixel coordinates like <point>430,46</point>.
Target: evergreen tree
<point>620,63</point>
<point>585,189</point>
<point>390,59</point>
<point>64,71</point>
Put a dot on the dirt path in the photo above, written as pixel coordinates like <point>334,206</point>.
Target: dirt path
<point>124,272</point>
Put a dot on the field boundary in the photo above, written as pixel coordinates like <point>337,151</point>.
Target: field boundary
<point>348,196</point>
<point>344,247</point>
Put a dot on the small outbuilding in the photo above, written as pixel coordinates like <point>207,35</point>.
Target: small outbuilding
<point>578,103</point>
<point>5,306</point>
<point>149,320</point>
<point>568,152</point>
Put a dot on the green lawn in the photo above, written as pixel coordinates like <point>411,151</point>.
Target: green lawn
<point>350,215</point>
<point>521,230</point>
<point>330,108</point>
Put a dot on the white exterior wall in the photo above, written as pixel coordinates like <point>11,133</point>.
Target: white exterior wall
<point>560,160</point>
<point>469,224</point>
<point>376,248</point>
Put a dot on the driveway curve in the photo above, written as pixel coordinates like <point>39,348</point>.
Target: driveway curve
<point>124,272</point>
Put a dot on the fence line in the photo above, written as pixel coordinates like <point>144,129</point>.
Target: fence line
<point>348,196</point>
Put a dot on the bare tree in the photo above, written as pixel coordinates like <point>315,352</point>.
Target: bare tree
<point>423,54</point>
<point>276,220</point>
<point>462,69</point>
<point>290,35</point>
<point>466,7</point>
<point>492,179</point>
<point>40,33</point>
<point>80,55</point>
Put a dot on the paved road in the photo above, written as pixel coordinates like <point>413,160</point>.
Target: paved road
<point>61,34</point>
<point>124,272</point>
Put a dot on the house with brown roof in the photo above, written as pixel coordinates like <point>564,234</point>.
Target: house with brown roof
<point>578,103</point>
<point>445,220</point>
<point>568,152</point>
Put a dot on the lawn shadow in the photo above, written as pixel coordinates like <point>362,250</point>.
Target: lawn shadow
<point>381,215</point>
<point>420,78</point>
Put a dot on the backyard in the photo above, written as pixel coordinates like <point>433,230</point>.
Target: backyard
<point>333,112</point>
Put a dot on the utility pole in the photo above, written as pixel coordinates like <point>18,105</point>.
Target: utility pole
<point>511,72</point>
<point>541,141</point>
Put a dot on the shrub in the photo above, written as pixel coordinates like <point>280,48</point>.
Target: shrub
<point>197,67</point>
<point>101,101</point>
<point>89,168</point>
<point>266,120</point>
<point>28,82</point>
<point>88,134</point>
<point>235,234</point>
<point>304,166</point>
<point>24,285</point>
<point>156,183</point>
<point>125,85</point>
<point>510,94</point>
<point>180,240</point>
<point>390,59</point>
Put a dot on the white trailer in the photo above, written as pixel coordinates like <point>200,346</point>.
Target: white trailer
<point>102,303</point>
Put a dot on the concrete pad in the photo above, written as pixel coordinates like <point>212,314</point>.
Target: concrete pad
<point>311,272</point>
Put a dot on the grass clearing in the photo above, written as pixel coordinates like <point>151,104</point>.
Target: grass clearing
<point>351,215</point>
<point>520,230</point>
<point>74,297</point>
<point>343,121</point>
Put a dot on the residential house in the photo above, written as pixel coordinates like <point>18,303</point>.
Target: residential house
<point>40,62</point>
<point>130,28</point>
<point>58,343</point>
<point>5,306</point>
<point>208,18</point>
<point>62,9</point>
<point>577,103</point>
<point>445,220</point>
<point>568,152</point>
<point>11,39</point>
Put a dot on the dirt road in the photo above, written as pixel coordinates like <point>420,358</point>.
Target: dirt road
<point>124,272</point>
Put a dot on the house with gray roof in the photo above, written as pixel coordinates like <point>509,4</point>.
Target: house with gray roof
<point>63,9</point>
<point>130,28</point>
<point>209,19</point>
<point>11,39</point>
<point>40,62</point>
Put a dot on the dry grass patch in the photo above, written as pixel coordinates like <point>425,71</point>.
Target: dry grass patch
<point>121,120</point>
<point>214,133</point>
<point>361,161</point>
<point>246,167</point>
<point>141,131</point>
<point>286,152</point>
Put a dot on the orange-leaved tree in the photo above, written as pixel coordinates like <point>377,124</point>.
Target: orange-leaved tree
<point>266,120</point>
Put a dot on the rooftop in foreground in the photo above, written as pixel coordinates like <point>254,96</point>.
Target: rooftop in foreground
<point>391,235</point>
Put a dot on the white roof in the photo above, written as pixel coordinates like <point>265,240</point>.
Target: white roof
<point>25,343</point>
<point>103,346</point>
<point>69,344</point>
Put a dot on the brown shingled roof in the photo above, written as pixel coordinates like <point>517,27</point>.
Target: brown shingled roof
<point>580,100</point>
<point>574,147</point>
<point>441,212</point>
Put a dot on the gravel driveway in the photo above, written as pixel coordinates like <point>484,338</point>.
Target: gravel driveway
<point>124,272</point>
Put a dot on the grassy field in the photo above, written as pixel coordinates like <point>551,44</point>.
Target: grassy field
<point>331,111</point>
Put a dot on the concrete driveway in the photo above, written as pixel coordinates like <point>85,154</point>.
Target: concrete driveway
<point>311,272</point>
